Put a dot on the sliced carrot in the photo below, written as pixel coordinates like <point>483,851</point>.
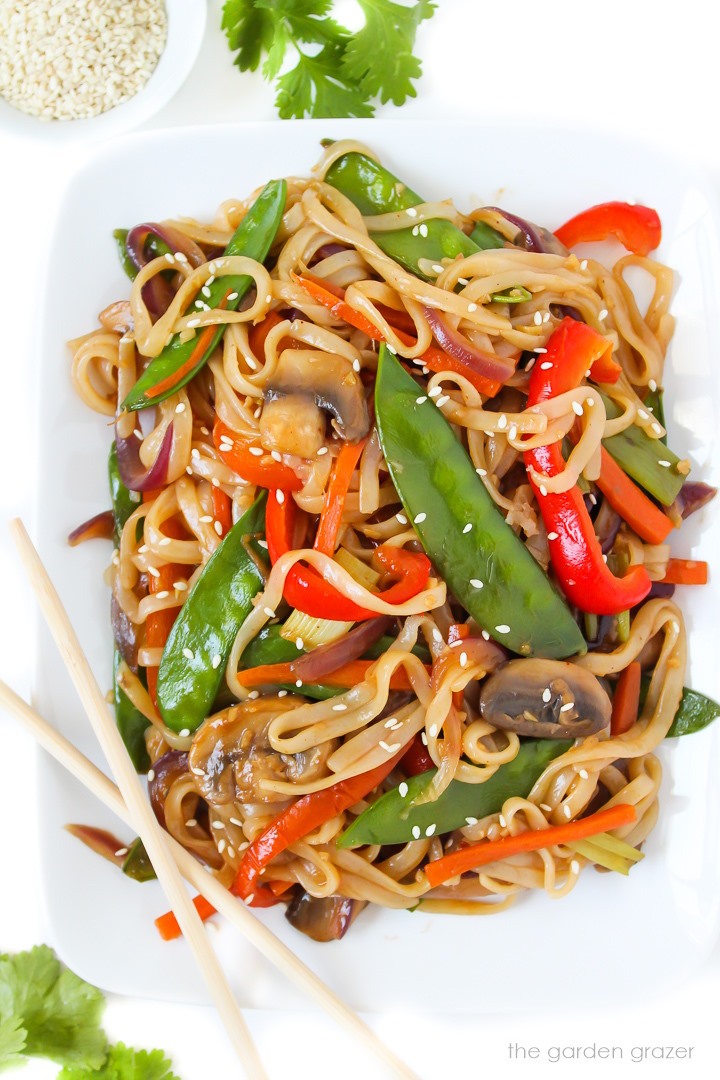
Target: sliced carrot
<point>686,572</point>
<point>168,926</point>
<point>344,467</point>
<point>626,700</point>
<point>355,671</point>
<point>488,851</point>
<point>204,338</point>
<point>279,888</point>
<point>632,504</point>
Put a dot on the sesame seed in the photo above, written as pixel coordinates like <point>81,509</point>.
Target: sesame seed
<point>236,821</point>
<point>577,408</point>
<point>442,400</point>
<point>256,451</point>
<point>547,809</point>
<point>221,846</point>
<point>268,298</point>
<point>415,230</point>
<point>162,594</point>
<point>299,643</point>
<point>434,392</point>
<point>276,455</point>
<point>567,706</point>
<point>567,811</point>
<point>652,385</point>
<point>546,317</point>
<point>340,707</point>
<point>437,636</point>
<point>502,422</point>
<point>472,307</point>
<point>423,738</point>
<point>656,428</point>
<point>180,586</point>
<point>356,364</point>
<point>232,296</point>
<point>537,318</point>
<point>583,773</point>
<point>476,583</point>
<point>665,464</point>
<point>593,499</point>
<point>437,268</point>
<point>298,682</point>
<point>231,853</point>
<point>503,628</point>
<point>411,211</point>
<point>481,472</point>
<point>390,723</point>
<point>575,866</point>
<point>540,350</point>
<point>218,528</point>
<point>218,824</point>
<point>184,733</point>
<point>403,789</point>
<point>269,612</point>
<point>546,365</point>
<point>471,820</point>
<point>151,775</point>
<point>512,433</point>
<point>282,693</point>
<point>180,407</point>
<point>463,281</point>
<point>419,518</point>
<point>206,519</point>
<point>216,661</point>
<point>420,400</point>
<point>433,731</point>
<point>402,519</point>
<point>249,899</point>
<point>591,401</point>
<point>153,571</point>
<point>280,496</point>
<point>416,832</point>
<point>642,414</point>
<point>390,748</point>
<point>322,450</point>
<point>543,489</point>
<point>602,314</point>
<point>583,264</point>
<point>502,821</point>
<point>121,851</point>
<point>546,694</point>
<point>215,482</point>
<point>467,528</point>
<point>485,635</point>
<point>431,829</point>
<point>165,541</point>
<point>423,229</point>
<point>552,536</point>
<point>188,653</point>
<point>190,823</point>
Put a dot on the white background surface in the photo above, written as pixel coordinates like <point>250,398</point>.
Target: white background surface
<point>647,70</point>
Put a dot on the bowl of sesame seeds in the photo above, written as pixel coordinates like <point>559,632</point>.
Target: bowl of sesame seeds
<point>88,69</point>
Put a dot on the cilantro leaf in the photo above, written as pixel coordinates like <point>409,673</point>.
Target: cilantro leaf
<point>124,1063</point>
<point>317,86</point>
<point>12,1041</point>
<point>250,29</point>
<point>380,56</point>
<point>58,1012</point>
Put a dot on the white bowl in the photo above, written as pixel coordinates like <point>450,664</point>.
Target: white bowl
<point>186,26</point>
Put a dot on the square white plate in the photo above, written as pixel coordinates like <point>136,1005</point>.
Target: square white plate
<point>663,919</point>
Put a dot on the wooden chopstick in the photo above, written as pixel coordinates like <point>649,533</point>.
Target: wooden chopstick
<point>141,814</point>
<point>242,917</point>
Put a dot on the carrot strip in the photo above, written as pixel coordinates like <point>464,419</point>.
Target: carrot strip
<point>355,671</point>
<point>168,927</point>
<point>434,358</point>
<point>633,506</point>
<point>279,888</point>
<point>222,510</point>
<point>626,700</point>
<point>488,851</point>
<point>686,572</point>
<point>205,337</point>
<point>344,467</point>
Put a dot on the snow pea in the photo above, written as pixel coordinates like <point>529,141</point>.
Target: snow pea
<point>460,527</point>
<point>253,237</point>
<point>639,456</point>
<point>124,502</point>
<point>392,818</point>
<point>137,863</point>
<point>195,655</point>
<point>375,190</point>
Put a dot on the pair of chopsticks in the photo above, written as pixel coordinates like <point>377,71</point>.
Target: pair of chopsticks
<point>169,859</point>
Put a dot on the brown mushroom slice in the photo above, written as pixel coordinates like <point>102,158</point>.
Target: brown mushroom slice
<point>324,918</point>
<point>329,381</point>
<point>550,699</point>
<point>231,755</point>
<point>293,424</point>
<point>117,317</point>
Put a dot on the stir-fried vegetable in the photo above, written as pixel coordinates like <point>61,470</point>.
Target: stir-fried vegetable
<point>648,461</point>
<point>195,655</point>
<point>394,819</point>
<point>574,550</point>
<point>181,359</point>
<point>460,527</point>
<point>626,700</point>
<point>642,515</point>
<point>636,227</point>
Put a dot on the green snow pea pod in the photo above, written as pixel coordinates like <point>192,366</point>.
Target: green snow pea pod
<point>460,527</point>
<point>375,190</point>
<point>253,238</point>
<point>694,713</point>
<point>392,818</point>
<point>124,502</point>
<point>130,722</point>
<point>639,456</point>
<point>196,652</point>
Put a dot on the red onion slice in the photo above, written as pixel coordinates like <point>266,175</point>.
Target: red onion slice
<point>176,241</point>
<point>328,658</point>
<point>99,527</point>
<point>132,472</point>
<point>124,634</point>
<point>478,360</point>
<point>536,237</point>
<point>693,495</point>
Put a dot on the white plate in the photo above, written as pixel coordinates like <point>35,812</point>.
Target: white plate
<point>663,919</point>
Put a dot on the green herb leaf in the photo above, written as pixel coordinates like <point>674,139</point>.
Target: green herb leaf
<point>57,1012</point>
<point>380,56</point>
<point>124,1063</point>
<point>250,30</point>
<point>316,87</point>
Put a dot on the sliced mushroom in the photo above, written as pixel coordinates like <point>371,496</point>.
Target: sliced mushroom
<point>329,381</point>
<point>324,918</point>
<point>292,425</point>
<point>231,756</point>
<point>117,317</point>
<point>550,699</point>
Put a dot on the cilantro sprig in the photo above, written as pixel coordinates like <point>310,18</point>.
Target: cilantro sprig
<point>48,1011</point>
<point>321,68</point>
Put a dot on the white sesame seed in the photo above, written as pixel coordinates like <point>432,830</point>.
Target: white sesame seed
<point>546,694</point>
<point>502,422</point>
<point>502,822</point>
<point>437,268</point>
<point>180,586</point>
<point>298,682</point>
<point>591,401</point>
<point>436,390</point>
<point>218,824</point>
<point>299,643</point>
<point>437,636</point>
<point>421,400</point>
<point>567,706</point>
<point>512,433</point>
<point>463,659</point>
<point>276,455</point>
<point>472,307</point>
<point>269,612</point>
<point>188,653</point>
<point>656,428</point>
<point>546,365</point>
<point>190,823</point>
<point>546,317</point>
<point>280,496</point>
<point>419,518</point>
<point>218,527</point>
<point>583,774</point>
<point>543,489</point>
<point>153,571</point>
<point>602,315</point>
<point>433,731</point>
<point>232,296</point>
<point>467,528</point>
<point>249,899</point>
<point>552,536</point>
<point>652,385</point>
<point>567,811</point>
<point>121,851</point>
<point>162,594</point>
<point>476,583</point>
<point>322,450</point>
<point>389,748</point>
<point>431,829</point>
<point>540,350</point>
<point>423,229</point>
<point>282,693</point>
<point>471,821</point>
<point>356,364</point>
<point>485,635</point>
<point>423,738</point>
<point>180,407</point>
<point>268,298</point>
<point>216,660</point>
<point>403,789</point>
<point>415,230</point>
<point>577,408</point>
<point>442,401</point>
<point>411,211</point>
<point>481,472</point>
<point>206,519</point>
<point>236,821</point>
<point>401,518</point>
<point>503,628</point>
<point>221,846</point>
<point>537,318</point>
<point>575,866</point>
<point>583,264</point>
<point>340,707</point>
<point>151,775</point>
<point>665,464</point>
<point>256,451</point>
<point>416,832</point>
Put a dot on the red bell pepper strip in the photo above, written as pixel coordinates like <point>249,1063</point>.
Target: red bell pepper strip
<point>626,700</point>
<point>260,469</point>
<point>222,511</point>
<point>574,550</point>
<point>605,370</point>
<point>637,228</point>
<point>416,758</point>
<point>305,815</point>
<point>307,591</point>
<point>487,851</point>
<point>434,358</point>
<point>632,504</point>
<point>344,467</point>
<point>686,572</point>
<point>348,675</point>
